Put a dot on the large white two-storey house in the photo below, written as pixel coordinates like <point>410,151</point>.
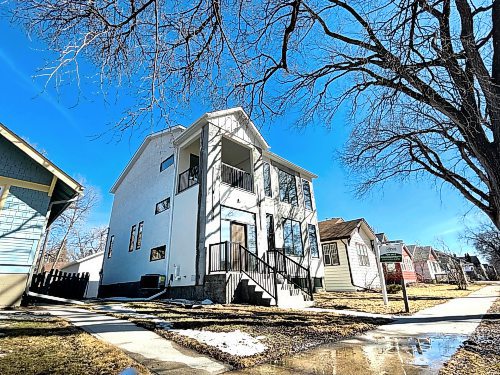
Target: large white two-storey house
<point>209,212</point>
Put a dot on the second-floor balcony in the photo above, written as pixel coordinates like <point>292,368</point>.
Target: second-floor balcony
<point>237,177</point>
<point>188,178</point>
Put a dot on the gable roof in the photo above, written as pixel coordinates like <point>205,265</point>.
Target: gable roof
<point>333,229</point>
<point>423,253</point>
<point>65,188</point>
<point>139,152</point>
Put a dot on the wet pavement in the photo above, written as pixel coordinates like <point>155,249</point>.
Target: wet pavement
<point>417,344</point>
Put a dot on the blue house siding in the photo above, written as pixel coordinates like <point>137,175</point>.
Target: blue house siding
<point>16,164</point>
<point>21,224</point>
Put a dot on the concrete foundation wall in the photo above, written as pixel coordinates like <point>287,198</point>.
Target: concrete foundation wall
<point>12,288</point>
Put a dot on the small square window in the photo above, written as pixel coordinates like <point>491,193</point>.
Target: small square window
<point>162,206</point>
<point>157,253</point>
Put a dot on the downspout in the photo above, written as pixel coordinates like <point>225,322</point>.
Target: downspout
<point>348,261</point>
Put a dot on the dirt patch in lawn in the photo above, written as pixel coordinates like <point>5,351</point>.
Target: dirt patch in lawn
<point>282,331</point>
<point>32,343</point>
<point>480,354</point>
<point>421,296</point>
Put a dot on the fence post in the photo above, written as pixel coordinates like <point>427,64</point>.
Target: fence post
<point>210,258</point>
<point>227,255</point>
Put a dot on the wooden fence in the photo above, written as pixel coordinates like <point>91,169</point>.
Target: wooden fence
<point>60,284</point>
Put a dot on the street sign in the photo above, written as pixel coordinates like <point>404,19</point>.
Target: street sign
<point>391,253</point>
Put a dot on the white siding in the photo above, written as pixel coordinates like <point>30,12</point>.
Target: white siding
<point>363,276</point>
<point>338,278</point>
<point>135,201</point>
<point>92,265</point>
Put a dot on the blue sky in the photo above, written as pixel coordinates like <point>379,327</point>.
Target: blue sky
<point>64,124</point>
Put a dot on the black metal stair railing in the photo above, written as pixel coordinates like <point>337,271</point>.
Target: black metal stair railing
<point>233,257</point>
<point>292,271</point>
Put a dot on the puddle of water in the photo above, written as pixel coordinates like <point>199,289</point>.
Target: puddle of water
<point>369,355</point>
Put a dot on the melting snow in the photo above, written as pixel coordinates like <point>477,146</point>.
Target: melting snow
<point>236,342</point>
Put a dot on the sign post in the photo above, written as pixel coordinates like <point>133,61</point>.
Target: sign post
<point>381,274</point>
<point>392,252</point>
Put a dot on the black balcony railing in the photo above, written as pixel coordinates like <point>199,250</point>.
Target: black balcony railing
<point>188,178</point>
<point>237,177</point>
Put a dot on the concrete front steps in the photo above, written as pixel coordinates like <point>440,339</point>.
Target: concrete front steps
<point>289,296</point>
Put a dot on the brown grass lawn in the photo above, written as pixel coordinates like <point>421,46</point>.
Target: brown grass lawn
<point>40,344</point>
<point>421,296</point>
<point>283,331</point>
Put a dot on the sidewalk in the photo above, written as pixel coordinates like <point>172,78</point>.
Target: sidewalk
<point>158,354</point>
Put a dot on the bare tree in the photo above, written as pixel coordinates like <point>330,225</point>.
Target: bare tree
<point>423,76</point>
<point>486,240</point>
<point>70,237</point>
<point>451,265</point>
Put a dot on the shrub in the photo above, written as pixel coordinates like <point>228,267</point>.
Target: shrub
<point>394,288</point>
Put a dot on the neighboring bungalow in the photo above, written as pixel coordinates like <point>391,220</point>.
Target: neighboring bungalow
<point>33,193</point>
<point>91,264</point>
<point>478,273</point>
<point>210,212</point>
<point>348,255</point>
<point>425,262</point>
<point>395,271</point>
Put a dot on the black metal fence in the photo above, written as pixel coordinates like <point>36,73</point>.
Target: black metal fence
<point>237,177</point>
<point>188,178</point>
<point>60,284</point>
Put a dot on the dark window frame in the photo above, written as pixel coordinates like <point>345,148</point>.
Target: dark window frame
<point>271,232</point>
<point>165,205</point>
<point>268,186</point>
<point>331,252</point>
<point>138,242</point>
<point>110,246</point>
<point>293,252</point>
<point>288,192</point>
<point>161,250</point>
<point>131,243</point>
<point>306,190</point>
<point>169,161</point>
<point>311,232</point>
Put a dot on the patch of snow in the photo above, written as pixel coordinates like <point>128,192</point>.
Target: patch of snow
<point>207,302</point>
<point>236,342</point>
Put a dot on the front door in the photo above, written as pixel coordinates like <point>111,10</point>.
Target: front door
<point>238,237</point>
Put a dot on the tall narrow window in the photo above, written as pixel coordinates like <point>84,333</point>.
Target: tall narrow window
<point>362,251</point>
<point>132,238</point>
<point>139,236</point>
<point>110,248</point>
<point>267,180</point>
<point>271,244</point>
<point>313,240</point>
<point>167,163</point>
<point>292,238</point>
<point>288,187</point>
<point>306,188</point>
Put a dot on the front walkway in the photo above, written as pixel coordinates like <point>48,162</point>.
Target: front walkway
<point>417,344</point>
<point>158,354</point>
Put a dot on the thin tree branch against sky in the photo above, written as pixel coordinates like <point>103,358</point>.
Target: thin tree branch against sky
<point>422,77</point>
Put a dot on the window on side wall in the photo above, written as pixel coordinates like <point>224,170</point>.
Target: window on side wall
<point>162,206</point>
<point>267,180</point>
<point>292,238</point>
<point>331,254</point>
<point>157,253</point>
<point>362,251</point>
<point>167,163</point>
<point>110,246</point>
<point>139,236</point>
<point>288,187</point>
<point>132,238</point>
<point>313,240</point>
<point>270,232</point>
<point>306,188</point>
